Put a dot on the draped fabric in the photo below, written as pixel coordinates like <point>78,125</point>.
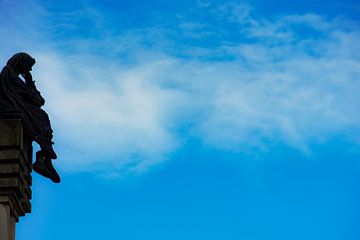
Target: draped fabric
<point>21,96</point>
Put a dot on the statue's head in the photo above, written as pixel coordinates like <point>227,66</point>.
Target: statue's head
<point>21,63</point>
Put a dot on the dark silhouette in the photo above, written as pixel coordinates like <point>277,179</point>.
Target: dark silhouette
<point>23,98</point>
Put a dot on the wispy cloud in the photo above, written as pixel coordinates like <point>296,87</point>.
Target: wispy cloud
<point>126,102</point>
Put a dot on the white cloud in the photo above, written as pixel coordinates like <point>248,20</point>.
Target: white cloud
<point>117,116</point>
<point>102,123</point>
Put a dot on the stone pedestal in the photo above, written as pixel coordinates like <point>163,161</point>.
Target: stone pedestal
<point>15,175</point>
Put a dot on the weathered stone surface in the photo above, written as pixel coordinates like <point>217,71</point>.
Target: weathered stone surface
<point>15,167</point>
<point>9,168</point>
<point>7,223</point>
<point>11,132</point>
<point>8,154</point>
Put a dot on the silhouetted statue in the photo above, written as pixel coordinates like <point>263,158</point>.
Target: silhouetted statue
<point>22,97</point>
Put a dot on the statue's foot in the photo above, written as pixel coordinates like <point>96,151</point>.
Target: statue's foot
<point>50,167</point>
<point>47,148</point>
<point>50,152</point>
<point>45,168</point>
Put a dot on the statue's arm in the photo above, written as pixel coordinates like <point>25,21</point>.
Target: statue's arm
<point>33,95</point>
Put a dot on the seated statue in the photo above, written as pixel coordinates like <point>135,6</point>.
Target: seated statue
<point>21,96</point>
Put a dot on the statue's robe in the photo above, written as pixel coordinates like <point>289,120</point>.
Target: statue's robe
<point>16,96</point>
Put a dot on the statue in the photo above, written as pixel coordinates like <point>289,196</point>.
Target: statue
<point>21,96</point>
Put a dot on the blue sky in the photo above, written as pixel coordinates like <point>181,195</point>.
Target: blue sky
<point>195,119</point>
